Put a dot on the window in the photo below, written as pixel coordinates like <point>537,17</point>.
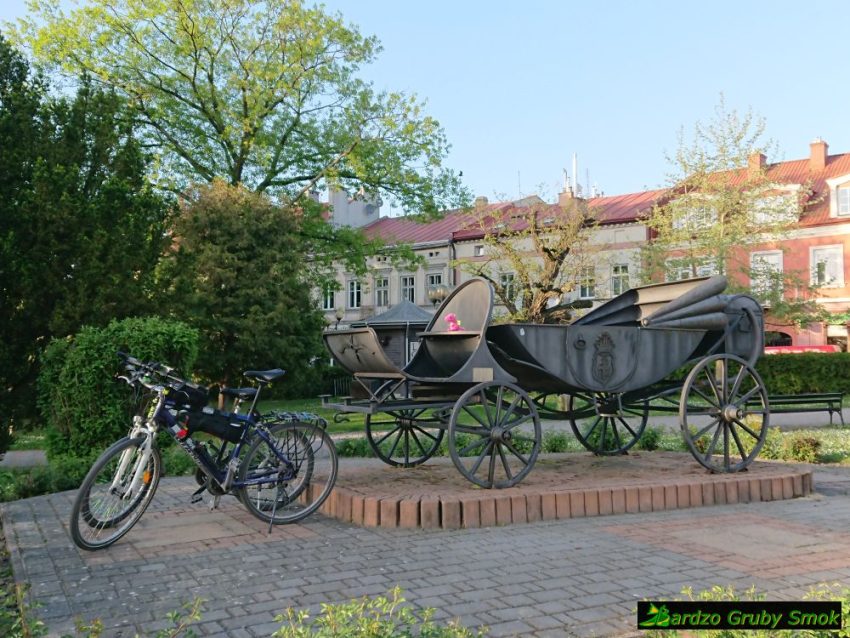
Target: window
<point>354,293</point>
<point>694,217</point>
<point>775,209</point>
<point>328,298</point>
<point>619,279</point>
<point>827,264</point>
<point>587,283</point>
<point>382,291</point>
<point>478,251</point>
<point>506,281</point>
<point>408,288</point>
<point>679,271</point>
<point>434,279</point>
<point>843,196</point>
<point>766,271</point>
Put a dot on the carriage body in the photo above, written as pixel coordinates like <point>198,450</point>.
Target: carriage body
<point>614,366</point>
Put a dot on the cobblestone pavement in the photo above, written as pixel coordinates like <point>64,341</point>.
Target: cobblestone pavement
<point>578,577</point>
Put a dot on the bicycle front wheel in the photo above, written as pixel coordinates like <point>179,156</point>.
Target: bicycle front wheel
<point>115,493</point>
<point>288,477</point>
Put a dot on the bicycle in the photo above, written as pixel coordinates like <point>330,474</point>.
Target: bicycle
<point>281,466</point>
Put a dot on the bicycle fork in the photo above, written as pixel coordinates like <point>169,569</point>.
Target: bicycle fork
<point>141,465</point>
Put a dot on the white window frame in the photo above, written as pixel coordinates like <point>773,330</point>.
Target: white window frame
<point>382,291</point>
<point>836,186</point>
<point>837,250</point>
<point>478,250</point>
<point>842,203</point>
<point>406,288</point>
<point>508,282</point>
<point>433,279</point>
<point>355,294</point>
<point>328,297</point>
<point>774,259</point>
<point>587,283</point>
<point>620,279</point>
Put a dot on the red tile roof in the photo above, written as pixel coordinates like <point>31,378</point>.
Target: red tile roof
<point>406,230</point>
<point>462,225</point>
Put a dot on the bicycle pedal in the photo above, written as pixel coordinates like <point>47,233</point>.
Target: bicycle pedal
<point>196,498</point>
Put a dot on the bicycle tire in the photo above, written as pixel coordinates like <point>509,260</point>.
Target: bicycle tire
<point>287,497</point>
<point>90,519</point>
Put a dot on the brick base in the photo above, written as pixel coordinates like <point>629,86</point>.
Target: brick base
<point>440,497</point>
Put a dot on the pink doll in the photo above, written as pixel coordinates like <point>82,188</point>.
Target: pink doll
<point>454,324</point>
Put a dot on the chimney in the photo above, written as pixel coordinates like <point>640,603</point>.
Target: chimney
<point>481,201</point>
<point>817,159</point>
<point>565,196</point>
<point>756,163</point>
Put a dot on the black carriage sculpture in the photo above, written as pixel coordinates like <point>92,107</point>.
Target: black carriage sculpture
<point>485,387</point>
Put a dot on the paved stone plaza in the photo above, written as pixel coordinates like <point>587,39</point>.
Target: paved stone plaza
<point>577,577</point>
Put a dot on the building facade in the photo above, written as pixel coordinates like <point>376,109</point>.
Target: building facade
<point>815,249</point>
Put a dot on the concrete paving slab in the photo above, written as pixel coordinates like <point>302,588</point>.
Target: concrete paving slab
<point>574,577</point>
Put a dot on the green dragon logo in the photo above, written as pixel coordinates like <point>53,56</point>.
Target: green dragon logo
<point>656,617</point>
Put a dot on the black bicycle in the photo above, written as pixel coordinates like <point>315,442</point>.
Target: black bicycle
<point>281,466</point>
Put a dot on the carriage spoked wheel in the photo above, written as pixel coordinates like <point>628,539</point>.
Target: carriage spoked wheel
<point>551,406</point>
<point>404,438</point>
<point>605,423</point>
<point>724,413</point>
<point>494,434</point>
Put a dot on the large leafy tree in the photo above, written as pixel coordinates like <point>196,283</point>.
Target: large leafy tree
<point>235,272</point>
<point>723,205</point>
<point>533,255</point>
<point>260,93</point>
<point>80,227</point>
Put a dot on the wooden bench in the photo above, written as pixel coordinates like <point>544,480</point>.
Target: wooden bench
<point>812,402</point>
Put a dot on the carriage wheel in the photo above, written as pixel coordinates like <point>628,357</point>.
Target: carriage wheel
<point>605,424</point>
<point>494,434</point>
<point>724,413</point>
<point>550,406</point>
<point>404,438</point>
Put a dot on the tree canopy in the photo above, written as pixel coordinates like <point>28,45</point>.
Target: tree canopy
<point>721,206</point>
<point>234,272</point>
<point>533,254</point>
<point>260,93</point>
<point>80,227</point>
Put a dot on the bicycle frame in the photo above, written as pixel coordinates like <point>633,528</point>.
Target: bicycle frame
<point>160,416</point>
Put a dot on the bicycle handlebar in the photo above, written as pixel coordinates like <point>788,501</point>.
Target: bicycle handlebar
<point>140,368</point>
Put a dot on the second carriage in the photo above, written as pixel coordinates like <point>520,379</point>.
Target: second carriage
<point>684,347</point>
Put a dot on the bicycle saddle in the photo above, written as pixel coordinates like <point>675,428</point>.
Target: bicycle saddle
<point>239,393</point>
<point>266,376</point>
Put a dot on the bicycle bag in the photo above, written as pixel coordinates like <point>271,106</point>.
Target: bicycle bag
<point>223,425</point>
<point>187,394</point>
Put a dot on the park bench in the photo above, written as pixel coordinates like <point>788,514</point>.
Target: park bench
<point>809,402</point>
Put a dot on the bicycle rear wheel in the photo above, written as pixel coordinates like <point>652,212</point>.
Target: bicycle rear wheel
<point>290,479</point>
<point>108,503</point>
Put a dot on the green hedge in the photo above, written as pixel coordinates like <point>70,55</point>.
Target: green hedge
<point>806,372</point>
<point>84,408</point>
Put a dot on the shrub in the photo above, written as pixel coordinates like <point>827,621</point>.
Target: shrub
<point>355,446</point>
<point>805,372</point>
<point>555,441</point>
<point>62,473</point>
<point>800,447</point>
<point>83,407</point>
<point>368,618</point>
<point>650,439</point>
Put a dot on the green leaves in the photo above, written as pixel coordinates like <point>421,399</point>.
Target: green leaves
<point>237,272</point>
<point>264,94</point>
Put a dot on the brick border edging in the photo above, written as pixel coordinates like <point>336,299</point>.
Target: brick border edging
<point>498,507</point>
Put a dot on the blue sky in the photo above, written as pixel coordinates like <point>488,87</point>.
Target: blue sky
<point>519,87</point>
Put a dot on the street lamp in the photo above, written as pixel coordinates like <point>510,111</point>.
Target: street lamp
<point>339,313</point>
<point>437,294</point>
